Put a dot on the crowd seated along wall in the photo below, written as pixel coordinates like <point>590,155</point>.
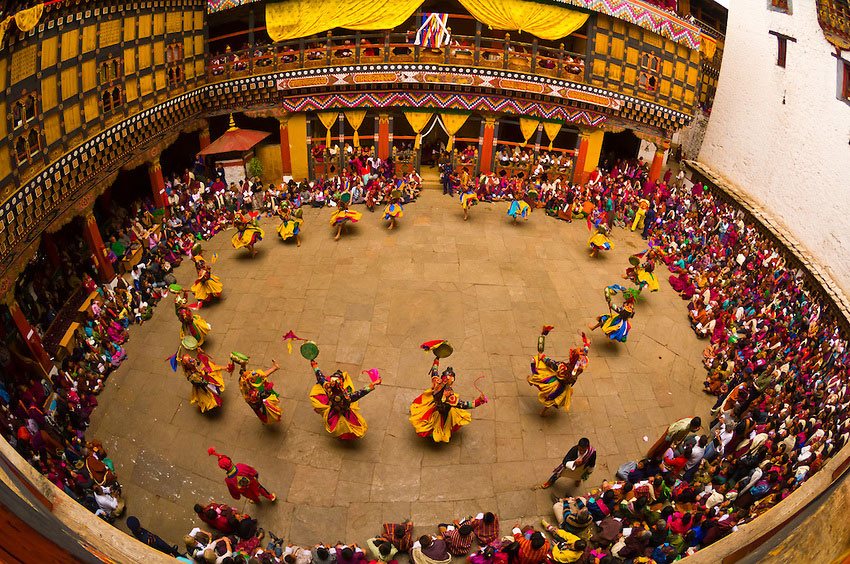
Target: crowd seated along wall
<point>81,70</point>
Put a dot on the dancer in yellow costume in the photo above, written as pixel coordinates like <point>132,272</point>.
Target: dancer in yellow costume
<point>291,223</point>
<point>439,412</point>
<point>468,198</point>
<point>553,378</point>
<point>394,210</point>
<point>335,399</point>
<point>248,232</point>
<point>257,390</point>
<point>599,239</point>
<point>191,324</point>
<point>642,274</point>
<point>615,324</point>
<point>206,379</point>
<point>207,286</point>
<point>343,215</point>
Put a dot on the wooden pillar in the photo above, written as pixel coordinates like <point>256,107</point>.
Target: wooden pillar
<point>204,137</point>
<point>487,143</point>
<point>91,234</point>
<point>158,185</point>
<point>657,163</point>
<point>30,337</point>
<point>285,157</point>
<point>383,136</point>
<point>578,170</point>
<point>50,248</point>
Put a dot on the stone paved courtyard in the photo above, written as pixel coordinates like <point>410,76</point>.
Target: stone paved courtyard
<point>369,301</point>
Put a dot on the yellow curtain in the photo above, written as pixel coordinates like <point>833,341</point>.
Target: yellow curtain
<point>355,118</point>
<point>453,123</point>
<point>292,19</point>
<point>27,19</point>
<point>551,128</point>
<point>418,121</point>
<point>527,127</point>
<point>543,20</point>
<point>708,45</point>
<point>328,119</point>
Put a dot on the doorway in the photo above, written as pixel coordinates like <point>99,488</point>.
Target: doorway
<point>617,146</point>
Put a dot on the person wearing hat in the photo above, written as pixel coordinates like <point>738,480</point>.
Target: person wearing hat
<point>438,412</point>
<point>207,286</point>
<point>468,196</point>
<point>206,379</point>
<point>290,226</point>
<point>149,538</point>
<point>191,324</point>
<point>258,391</point>
<point>555,379</point>
<point>241,479</point>
<point>343,215</point>
<point>394,210</point>
<point>335,399</point>
<point>615,324</point>
<point>599,239</point>
<point>518,207</point>
<point>248,232</point>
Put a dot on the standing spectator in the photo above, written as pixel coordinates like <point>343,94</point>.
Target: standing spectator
<point>149,538</point>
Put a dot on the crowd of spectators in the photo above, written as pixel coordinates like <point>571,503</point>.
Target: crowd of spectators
<point>775,358</point>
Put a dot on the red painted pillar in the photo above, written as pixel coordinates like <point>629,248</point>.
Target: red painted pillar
<point>160,198</point>
<point>485,158</point>
<point>383,136</point>
<point>579,175</point>
<point>285,157</point>
<point>92,236</point>
<point>657,162</point>
<point>50,248</point>
<point>30,337</point>
<point>204,137</point>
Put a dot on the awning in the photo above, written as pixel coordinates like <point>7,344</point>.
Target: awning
<point>235,141</point>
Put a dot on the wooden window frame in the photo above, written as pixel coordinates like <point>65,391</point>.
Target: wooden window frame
<point>782,47</point>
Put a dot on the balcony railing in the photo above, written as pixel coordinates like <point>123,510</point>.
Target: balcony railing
<point>389,47</point>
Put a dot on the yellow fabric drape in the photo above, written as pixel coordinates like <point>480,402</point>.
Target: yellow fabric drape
<point>551,128</point>
<point>453,123</point>
<point>418,121</point>
<point>328,119</point>
<point>527,127</point>
<point>543,20</point>
<point>292,19</point>
<point>27,19</point>
<point>708,45</point>
<point>355,118</point>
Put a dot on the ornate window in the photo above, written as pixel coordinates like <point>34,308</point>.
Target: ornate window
<point>27,146</point>
<point>649,67</point>
<point>110,70</point>
<point>21,152</point>
<point>111,83</point>
<point>174,63</point>
<point>23,110</point>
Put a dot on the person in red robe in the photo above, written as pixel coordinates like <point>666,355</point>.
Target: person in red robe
<point>241,479</point>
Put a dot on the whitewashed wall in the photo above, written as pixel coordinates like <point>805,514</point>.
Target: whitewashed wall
<point>781,134</point>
